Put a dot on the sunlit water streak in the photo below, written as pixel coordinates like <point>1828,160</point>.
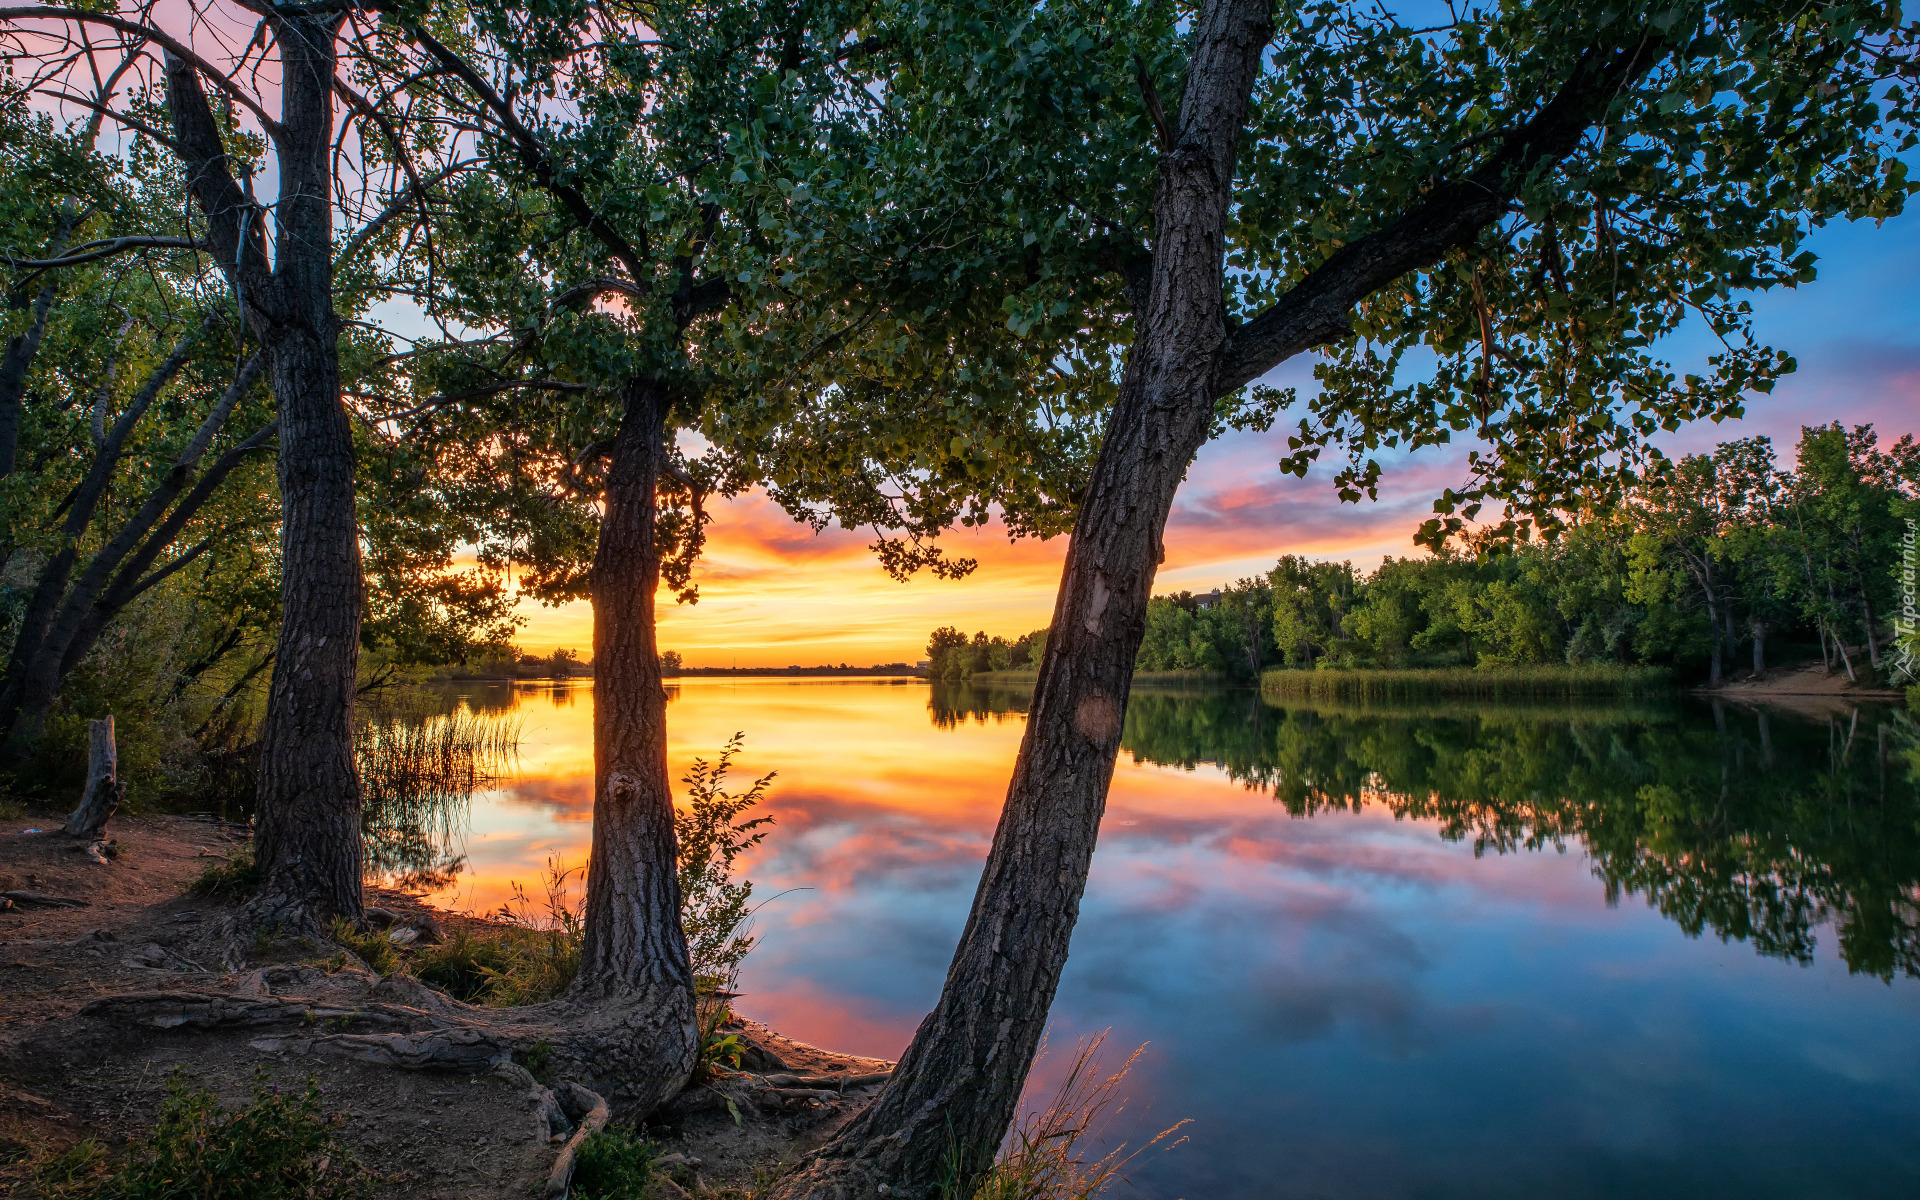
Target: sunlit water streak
<point>1353,1005</point>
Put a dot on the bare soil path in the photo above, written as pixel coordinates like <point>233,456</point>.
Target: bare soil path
<point>76,933</point>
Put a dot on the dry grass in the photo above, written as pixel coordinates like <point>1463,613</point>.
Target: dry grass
<point>1049,1154</point>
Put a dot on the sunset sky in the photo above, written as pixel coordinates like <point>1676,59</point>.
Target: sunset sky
<point>773,594</point>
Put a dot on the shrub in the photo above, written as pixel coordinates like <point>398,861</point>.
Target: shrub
<point>279,1147</point>
<point>612,1164</point>
<point>229,879</point>
<point>713,905</point>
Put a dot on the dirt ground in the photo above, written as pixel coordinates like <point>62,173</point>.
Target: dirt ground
<point>132,927</point>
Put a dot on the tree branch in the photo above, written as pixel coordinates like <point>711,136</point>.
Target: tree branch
<point>95,251</point>
<point>534,157</point>
<point>1317,311</point>
<point>174,48</point>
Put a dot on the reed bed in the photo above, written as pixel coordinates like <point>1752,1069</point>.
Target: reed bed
<point>419,768</point>
<point>410,758</point>
<point>1490,683</point>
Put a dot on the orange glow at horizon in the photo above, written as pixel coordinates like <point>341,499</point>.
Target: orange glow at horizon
<point>775,594</point>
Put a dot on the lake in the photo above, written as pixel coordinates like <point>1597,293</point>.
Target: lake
<point>1459,950</point>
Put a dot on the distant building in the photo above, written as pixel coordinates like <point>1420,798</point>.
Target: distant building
<point>1209,600</point>
<point>923,664</point>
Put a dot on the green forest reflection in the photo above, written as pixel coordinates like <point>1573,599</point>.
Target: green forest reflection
<point>1755,825</point>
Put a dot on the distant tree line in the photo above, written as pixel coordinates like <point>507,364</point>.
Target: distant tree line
<point>1722,556</point>
<point>953,655</point>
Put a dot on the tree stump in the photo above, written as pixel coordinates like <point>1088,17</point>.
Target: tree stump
<point>104,790</point>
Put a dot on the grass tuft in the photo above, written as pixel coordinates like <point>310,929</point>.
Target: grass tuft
<point>373,946</point>
<point>279,1147</point>
<point>1046,1157</point>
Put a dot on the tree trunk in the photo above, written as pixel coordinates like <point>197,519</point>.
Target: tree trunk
<point>1867,619</point>
<point>104,790</point>
<point>1758,628</point>
<point>307,823</point>
<point>1733,641</point>
<point>1715,668</point>
<point>307,839</point>
<point>941,1118</point>
<point>51,644</point>
<point>635,953</point>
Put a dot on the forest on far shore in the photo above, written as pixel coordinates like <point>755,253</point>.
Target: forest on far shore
<point>1725,563</point>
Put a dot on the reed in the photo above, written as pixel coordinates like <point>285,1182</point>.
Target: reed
<point>413,759</point>
<point>419,768</point>
<point>1492,683</point>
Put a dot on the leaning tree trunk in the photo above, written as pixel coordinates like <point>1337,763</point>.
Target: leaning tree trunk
<point>633,966</point>
<point>941,1118</point>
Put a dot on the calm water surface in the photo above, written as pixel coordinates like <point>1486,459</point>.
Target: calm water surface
<point>1378,952</point>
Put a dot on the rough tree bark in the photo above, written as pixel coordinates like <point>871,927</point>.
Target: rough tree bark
<point>307,839</point>
<point>635,953</point>
<point>953,1096</point>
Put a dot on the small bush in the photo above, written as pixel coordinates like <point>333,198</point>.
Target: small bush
<point>612,1164</point>
<point>229,879</point>
<point>718,1048</point>
<point>279,1147</point>
<point>714,908</point>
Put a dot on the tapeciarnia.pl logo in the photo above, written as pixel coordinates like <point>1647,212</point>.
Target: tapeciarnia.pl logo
<point>1906,660</point>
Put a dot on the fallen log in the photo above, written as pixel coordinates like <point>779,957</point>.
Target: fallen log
<point>40,900</point>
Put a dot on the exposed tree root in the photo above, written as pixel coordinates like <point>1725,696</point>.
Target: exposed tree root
<point>593,1118</point>
<point>624,1047</point>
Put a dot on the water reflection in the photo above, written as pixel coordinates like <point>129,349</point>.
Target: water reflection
<point>1755,825</point>
<point>422,754</point>
<point>1372,948</point>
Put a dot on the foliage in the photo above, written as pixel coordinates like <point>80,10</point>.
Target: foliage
<point>1725,551</point>
<point>951,655</point>
<point>280,1147</point>
<point>231,878</point>
<point>714,909</point>
<point>1494,682</point>
<point>613,1164</point>
<point>717,1046</point>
